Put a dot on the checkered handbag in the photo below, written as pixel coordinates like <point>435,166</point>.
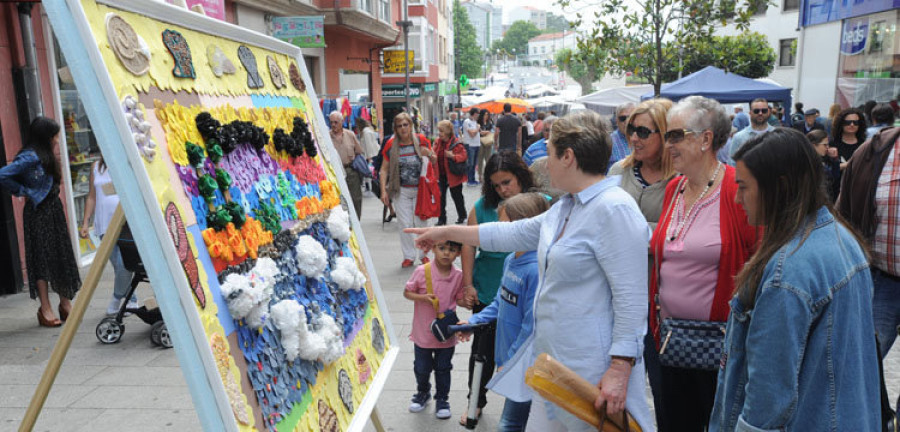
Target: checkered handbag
<point>691,344</point>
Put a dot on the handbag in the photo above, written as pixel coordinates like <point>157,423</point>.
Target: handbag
<point>691,344</point>
<point>428,196</point>
<point>457,168</point>
<point>688,344</point>
<point>361,165</point>
<point>440,326</point>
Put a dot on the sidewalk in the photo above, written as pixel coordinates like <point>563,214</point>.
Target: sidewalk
<point>136,386</point>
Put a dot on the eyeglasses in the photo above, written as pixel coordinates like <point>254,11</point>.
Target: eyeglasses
<point>642,132</point>
<point>851,122</point>
<point>675,136</point>
<point>401,125</point>
<point>761,111</point>
<point>623,118</point>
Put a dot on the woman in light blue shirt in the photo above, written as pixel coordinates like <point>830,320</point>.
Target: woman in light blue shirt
<point>591,306</point>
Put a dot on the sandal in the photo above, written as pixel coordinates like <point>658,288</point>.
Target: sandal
<point>44,322</point>
<point>63,314</point>
<point>462,421</point>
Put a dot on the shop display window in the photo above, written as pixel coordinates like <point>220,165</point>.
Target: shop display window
<point>81,150</point>
<point>869,66</point>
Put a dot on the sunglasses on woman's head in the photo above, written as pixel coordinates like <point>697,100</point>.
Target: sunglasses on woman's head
<point>642,132</point>
<point>676,136</point>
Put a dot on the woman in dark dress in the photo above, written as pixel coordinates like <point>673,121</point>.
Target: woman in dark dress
<point>847,133</point>
<point>35,175</point>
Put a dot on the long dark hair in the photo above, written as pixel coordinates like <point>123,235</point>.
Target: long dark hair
<point>510,162</point>
<point>40,139</point>
<point>837,126</point>
<point>484,116</point>
<point>791,186</point>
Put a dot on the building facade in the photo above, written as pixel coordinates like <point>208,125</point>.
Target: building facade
<point>533,15</point>
<point>543,48</point>
<point>429,67</point>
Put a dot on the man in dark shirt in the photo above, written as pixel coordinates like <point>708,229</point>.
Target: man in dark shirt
<point>508,131</point>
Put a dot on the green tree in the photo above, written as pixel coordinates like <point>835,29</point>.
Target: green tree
<point>557,24</point>
<point>747,54</point>
<point>576,65</point>
<point>633,35</point>
<point>516,38</point>
<point>468,54</point>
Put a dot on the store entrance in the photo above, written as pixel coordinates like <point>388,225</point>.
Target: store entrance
<point>9,243</point>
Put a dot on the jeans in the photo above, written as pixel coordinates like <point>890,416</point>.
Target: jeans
<point>472,153</point>
<point>437,360</point>
<point>885,308</point>
<point>123,277</point>
<point>514,417</point>
<point>458,201</point>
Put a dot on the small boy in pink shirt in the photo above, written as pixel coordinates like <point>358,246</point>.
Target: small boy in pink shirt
<point>430,354</point>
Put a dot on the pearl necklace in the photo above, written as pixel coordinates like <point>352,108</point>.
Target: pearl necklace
<point>687,216</point>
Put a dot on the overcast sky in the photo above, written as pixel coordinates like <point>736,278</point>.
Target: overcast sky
<point>550,6</point>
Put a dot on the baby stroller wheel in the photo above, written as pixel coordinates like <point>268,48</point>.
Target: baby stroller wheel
<point>159,335</point>
<point>109,331</point>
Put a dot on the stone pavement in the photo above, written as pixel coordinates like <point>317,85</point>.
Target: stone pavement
<point>136,386</point>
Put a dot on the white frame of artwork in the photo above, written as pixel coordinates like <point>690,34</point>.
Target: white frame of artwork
<point>139,202</point>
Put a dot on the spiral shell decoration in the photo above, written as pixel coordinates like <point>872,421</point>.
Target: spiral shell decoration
<point>130,49</point>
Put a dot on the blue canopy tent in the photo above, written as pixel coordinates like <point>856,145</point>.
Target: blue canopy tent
<point>725,87</point>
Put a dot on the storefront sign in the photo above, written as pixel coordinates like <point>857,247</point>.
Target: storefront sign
<point>814,12</point>
<point>304,32</point>
<point>394,63</point>
<point>854,36</point>
<point>429,87</point>
<point>212,8</point>
<point>396,91</point>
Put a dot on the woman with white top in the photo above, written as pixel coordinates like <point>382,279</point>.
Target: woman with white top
<point>101,203</point>
<point>590,310</point>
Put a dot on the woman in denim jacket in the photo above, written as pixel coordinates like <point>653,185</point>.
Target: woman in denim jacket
<point>34,174</point>
<point>800,344</point>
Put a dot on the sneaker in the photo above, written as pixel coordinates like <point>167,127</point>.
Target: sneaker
<point>132,303</point>
<point>418,402</point>
<point>442,409</point>
<point>425,260</point>
<point>113,307</point>
<point>407,263</point>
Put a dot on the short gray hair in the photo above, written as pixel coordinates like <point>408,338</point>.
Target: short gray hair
<point>701,114</point>
<point>625,106</point>
<point>336,113</point>
<point>548,123</point>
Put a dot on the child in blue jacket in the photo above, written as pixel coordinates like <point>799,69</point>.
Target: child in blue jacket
<point>512,307</point>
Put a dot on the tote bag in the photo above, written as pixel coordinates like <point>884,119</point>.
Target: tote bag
<point>428,197</point>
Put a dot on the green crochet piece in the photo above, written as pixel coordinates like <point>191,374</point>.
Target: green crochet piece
<point>196,154</point>
<point>236,212</point>
<point>219,218</point>
<point>223,179</point>
<point>214,150</point>
<point>208,186</point>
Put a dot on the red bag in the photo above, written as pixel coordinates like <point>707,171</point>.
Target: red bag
<point>428,198</point>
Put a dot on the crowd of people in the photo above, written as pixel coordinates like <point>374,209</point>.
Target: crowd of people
<point>749,270</point>
<point>750,273</point>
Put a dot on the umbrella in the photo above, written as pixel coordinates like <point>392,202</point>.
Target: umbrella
<point>495,107</point>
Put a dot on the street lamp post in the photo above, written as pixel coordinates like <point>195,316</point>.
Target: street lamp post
<point>405,24</point>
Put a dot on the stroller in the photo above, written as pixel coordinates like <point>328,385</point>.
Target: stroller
<point>111,329</point>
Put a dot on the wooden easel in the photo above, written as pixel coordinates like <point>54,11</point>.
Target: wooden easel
<point>85,294</point>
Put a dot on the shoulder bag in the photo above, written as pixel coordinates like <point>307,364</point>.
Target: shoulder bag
<point>456,168</point>
<point>440,327</point>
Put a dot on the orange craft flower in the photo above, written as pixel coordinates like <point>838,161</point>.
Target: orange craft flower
<point>235,240</point>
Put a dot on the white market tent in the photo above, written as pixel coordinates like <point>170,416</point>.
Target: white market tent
<point>605,101</point>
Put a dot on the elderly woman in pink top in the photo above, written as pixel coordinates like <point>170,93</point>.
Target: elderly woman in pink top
<point>700,244</point>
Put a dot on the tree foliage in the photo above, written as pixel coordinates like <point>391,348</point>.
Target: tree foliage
<point>516,38</point>
<point>632,36</point>
<point>557,24</point>
<point>468,54</point>
<point>574,64</point>
<point>747,54</point>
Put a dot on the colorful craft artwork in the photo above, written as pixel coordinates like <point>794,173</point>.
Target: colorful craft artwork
<point>247,58</point>
<point>275,72</point>
<point>140,127</point>
<point>296,79</point>
<point>219,62</point>
<point>188,262</point>
<point>181,53</point>
<point>257,219</point>
<point>129,48</point>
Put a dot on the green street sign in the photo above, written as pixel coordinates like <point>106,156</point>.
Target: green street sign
<point>463,80</point>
